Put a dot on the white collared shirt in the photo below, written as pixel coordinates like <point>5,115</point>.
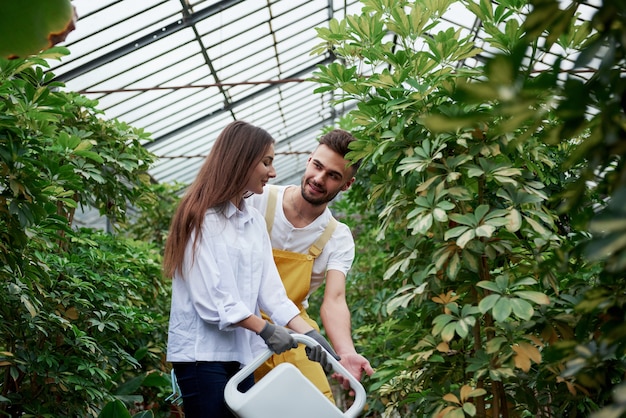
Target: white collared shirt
<point>230,276</point>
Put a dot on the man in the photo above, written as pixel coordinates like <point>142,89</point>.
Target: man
<point>310,246</point>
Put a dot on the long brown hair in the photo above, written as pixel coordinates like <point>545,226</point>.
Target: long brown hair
<point>222,177</point>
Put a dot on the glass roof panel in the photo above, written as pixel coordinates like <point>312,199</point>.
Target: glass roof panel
<point>183,69</point>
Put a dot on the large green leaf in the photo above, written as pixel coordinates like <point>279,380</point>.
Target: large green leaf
<point>488,302</point>
<point>114,409</point>
<point>537,297</point>
<point>521,308</point>
<point>502,309</point>
<point>30,27</point>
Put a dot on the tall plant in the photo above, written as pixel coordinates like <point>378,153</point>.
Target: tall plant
<point>467,168</point>
<point>83,312</point>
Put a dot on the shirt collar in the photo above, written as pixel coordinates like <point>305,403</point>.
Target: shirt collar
<point>244,213</point>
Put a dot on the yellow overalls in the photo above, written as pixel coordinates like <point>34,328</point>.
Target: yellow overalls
<point>295,271</point>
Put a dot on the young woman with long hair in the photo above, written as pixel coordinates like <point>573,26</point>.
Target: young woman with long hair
<point>219,257</point>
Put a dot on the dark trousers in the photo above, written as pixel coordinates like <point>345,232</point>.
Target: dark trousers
<point>202,385</point>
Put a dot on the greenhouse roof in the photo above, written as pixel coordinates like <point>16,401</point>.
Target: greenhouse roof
<point>184,69</point>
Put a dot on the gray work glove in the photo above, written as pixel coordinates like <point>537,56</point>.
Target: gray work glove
<point>319,352</point>
<point>277,338</point>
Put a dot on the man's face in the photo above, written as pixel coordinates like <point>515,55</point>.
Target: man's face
<point>326,175</point>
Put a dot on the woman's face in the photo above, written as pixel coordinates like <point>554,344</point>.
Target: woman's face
<point>262,172</point>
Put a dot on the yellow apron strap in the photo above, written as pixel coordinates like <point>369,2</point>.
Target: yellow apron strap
<point>271,207</point>
<point>317,247</point>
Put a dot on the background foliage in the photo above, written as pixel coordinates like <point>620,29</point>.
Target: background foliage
<point>497,195</point>
<point>83,312</point>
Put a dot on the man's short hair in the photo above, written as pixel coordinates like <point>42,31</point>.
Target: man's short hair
<point>339,140</point>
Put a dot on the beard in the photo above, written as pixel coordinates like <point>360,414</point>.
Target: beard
<point>316,201</point>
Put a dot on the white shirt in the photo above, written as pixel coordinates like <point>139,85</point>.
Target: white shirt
<point>231,277</point>
<point>338,253</point>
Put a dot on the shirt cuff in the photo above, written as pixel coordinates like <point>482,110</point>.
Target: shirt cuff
<point>235,314</point>
<point>284,313</point>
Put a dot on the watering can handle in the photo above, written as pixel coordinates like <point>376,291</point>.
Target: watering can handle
<point>359,392</point>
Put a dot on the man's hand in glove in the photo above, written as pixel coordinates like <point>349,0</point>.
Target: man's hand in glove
<point>318,354</point>
<point>277,338</point>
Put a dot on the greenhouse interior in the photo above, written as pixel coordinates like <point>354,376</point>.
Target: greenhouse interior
<point>478,265</point>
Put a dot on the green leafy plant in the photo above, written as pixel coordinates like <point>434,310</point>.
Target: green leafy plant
<point>479,177</point>
<point>83,312</point>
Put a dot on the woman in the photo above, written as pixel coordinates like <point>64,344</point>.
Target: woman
<point>219,256</point>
